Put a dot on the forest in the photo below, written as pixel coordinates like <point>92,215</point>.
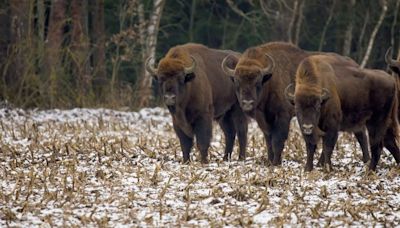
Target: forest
<point>91,53</point>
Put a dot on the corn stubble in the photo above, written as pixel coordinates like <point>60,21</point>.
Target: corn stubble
<point>105,168</point>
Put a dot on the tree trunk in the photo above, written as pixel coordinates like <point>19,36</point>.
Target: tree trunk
<point>348,35</point>
<point>373,35</point>
<point>327,23</point>
<point>4,41</point>
<point>99,54</point>
<point>292,21</point>
<point>360,49</point>
<point>54,45</point>
<point>150,42</point>
<point>299,22</point>
<point>20,33</point>
<point>80,49</point>
<point>392,30</point>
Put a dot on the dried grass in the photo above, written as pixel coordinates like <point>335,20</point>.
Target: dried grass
<point>107,168</point>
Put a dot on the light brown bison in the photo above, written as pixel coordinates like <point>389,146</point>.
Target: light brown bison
<point>331,97</point>
<point>261,76</point>
<point>196,91</point>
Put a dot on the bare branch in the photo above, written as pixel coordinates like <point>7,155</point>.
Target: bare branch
<point>328,21</point>
<point>374,32</point>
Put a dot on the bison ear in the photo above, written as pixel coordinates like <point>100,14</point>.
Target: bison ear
<point>232,78</point>
<point>266,77</point>
<point>189,77</point>
<point>289,93</point>
<point>325,95</point>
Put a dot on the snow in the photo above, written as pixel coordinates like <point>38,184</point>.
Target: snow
<point>100,167</point>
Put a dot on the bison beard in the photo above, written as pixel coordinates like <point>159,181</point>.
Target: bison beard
<point>198,91</point>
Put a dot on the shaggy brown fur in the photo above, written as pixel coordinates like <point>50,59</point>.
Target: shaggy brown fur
<point>271,109</point>
<point>201,96</point>
<point>357,98</point>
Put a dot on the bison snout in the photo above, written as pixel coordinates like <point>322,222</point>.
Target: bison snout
<point>247,105</point>
<point>169,99</point>
<point>307,129</point>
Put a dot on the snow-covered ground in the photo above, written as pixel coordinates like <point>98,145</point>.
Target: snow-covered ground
<point>86,167</point>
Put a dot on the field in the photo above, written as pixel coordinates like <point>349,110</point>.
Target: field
<point>86,167</point>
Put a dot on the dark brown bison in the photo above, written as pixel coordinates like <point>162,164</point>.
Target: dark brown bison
<point>196,91</point>
<point>261,76</point>
<point>331,97</point>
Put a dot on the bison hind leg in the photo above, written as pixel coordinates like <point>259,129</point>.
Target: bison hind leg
<point>391,145</point>
<point>227,126</point>
<point>362,139</point>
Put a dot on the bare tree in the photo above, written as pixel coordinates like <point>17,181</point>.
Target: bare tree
<point>348,35</point>
<point>374,32</point>
<point>54,45</point>
<point>148,36</point>
<point>392,30</point>
<point>327,23</point>
<point>99,54</point>
<point>80,48</point>
<point>299,22</point>
<point>20,38</point>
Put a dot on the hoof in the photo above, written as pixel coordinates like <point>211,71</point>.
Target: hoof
<point>226,158</point>
<point>328,168</point>
<point>204,161</point>
<point>308,168</point>
<point>365,160</point>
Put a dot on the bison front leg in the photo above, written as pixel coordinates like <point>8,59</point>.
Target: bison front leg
<point>270,151</point>
<point>241,127</point>
<point>362,139</point>
<point>310,156</point>
<point>203,132</point>
<point>228,128</point>
<point>279,135</point>
<point>186,144</point>
<point>329,142</point>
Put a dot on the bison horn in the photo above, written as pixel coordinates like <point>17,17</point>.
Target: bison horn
<point>189,70</point>
<point>149,67</point>
<point>325,94</point>
<point>288,94</point>
<point>227,70</point>
<point>388,57</point>
<point>270,67</point>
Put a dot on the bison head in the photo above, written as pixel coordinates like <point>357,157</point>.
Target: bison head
<point>249,80</point>
<point>172,77</point>
<point>393,64</point>
<point>308,102</point>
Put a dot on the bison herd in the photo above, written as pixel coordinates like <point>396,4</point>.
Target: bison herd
<point>272,83</point>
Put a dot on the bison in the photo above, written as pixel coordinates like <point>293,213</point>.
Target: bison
<point>331,97</point>
<point>196,91</point>
<point>261,75</point>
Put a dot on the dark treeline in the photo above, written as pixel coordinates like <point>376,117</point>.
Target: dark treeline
<point>88,53</point>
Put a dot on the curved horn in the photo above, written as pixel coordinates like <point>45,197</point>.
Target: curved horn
<point>388,57</point>
<point>227,70</point>
<point>288,94</point>
<point>325,94</point>
<point>270,67</point>
<point>149,67</point>
<point>189,70</point>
